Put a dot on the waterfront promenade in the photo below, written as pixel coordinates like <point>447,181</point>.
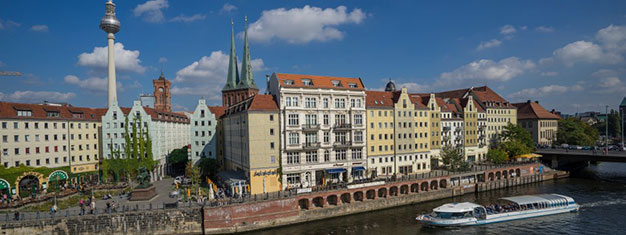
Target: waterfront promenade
<point>271,210</point>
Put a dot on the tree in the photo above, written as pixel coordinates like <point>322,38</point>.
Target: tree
<point>575,132</point>
<point>515,148</point>
<point>512,132</point>
<point>453,158</point>
<point>497,156</point>
<point>208,167</point>
<point>178,160</point>
<point>615,127</point>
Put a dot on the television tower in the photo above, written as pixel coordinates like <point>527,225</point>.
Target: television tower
<point>111,25</point>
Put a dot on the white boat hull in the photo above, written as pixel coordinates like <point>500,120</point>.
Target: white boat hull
<point>496,218</point>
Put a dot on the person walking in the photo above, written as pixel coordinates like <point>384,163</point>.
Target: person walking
<point>92,206</point>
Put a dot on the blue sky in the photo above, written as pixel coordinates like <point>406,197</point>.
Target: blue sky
<point>568,55</point>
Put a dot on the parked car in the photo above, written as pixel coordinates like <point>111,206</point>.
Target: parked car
<point>565,146</point>
<point>586,147</point>
<point>186,181</point>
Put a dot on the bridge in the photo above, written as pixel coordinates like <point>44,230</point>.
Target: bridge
<point>578,159</point>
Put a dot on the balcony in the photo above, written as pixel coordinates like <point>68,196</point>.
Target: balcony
<point>459,138</point>
<point>311,145</point>
<point>458,129</point>
<point>344,144</point>
<point>446,138</point>
<point>481,137</point>
<point>310,127</point>
<point>446,128</point>
<point>481,127</point>
<point>343,126</point>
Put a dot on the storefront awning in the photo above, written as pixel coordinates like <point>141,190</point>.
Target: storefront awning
<point>4,184</point>
<point>335,170</point>
<point>57,175</point>
<point>358,168</point>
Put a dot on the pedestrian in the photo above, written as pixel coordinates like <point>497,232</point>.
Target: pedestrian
<point>53,210</point>
<point>92,207</point>
<point>17,215</point>
<point>82,207</point>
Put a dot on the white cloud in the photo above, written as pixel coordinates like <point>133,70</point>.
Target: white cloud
<point>487,70</point>
<point>489,44</point>
<point>162,60</point>
<point>91,84</point>
<point>151,11</point>
<point>39,28</point>
<point>613,38</point>
<point>186,19</point>
<point>125,60</point>
<point>303,25</point>
<point>37,96</point>
<point>228,7</point>
<point>610,82</point>
<point>507,29</point>
<point>544,90</point>
<point>605,73</point>
<point>545,29</point>
<point>584,51</point>
<point>206,76</point>
<point>8,24</point>
<point>414,87</point>
<point>549,74</point>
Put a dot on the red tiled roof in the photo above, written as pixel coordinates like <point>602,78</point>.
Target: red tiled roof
<point>482,94</point>
<point>40,111</point>
<point>378,99</point>
<point>263,102</point>
<point>419,101</point>
<point>532,110</point>
<point>485,93</point>
<point>320,81</point>
<point>218,111</point>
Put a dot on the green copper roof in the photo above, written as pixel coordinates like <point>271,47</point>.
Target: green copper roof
<point>623,102</point>
<point>232,80</point>
<point>247,80</point>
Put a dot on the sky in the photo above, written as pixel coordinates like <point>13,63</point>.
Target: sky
<point>568,55</point>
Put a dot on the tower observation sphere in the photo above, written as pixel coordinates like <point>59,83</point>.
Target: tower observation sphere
<point>109,22</point>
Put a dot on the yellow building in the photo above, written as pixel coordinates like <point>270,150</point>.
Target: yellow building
<point>51,135</point>
<point>398,125</point>
<point>499,112</point>
<point>541,124</point>
<point>251,145</point>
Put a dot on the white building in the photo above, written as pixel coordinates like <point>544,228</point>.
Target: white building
<point>167,130</point>
<point>322,128</point>
<point>203,136</point>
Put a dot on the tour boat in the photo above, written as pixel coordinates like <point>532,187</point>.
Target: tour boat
<point>508,208</point>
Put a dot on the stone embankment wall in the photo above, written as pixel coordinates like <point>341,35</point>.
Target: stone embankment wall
<point>169,221</point>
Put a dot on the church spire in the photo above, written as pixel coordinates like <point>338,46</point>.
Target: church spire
<point>247,80</point>
<point>232,80</point>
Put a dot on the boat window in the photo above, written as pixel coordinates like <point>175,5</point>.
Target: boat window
<point>448,215</point>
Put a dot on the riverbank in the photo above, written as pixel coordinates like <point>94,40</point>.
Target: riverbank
<point>326,205</point>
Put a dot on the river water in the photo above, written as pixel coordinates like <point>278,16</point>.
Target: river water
<point>600,190</point>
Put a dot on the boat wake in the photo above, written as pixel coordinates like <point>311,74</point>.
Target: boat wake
<point>604,203</point>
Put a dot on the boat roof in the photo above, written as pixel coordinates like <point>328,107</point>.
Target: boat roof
<point>530,199</point>
<point>456,207</point>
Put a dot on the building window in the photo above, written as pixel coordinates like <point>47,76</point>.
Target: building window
<point>24,113</point>
<point>358,119</point>
<point>4,125</point>
<point>293,158</point>
<point>271,117</point>
<point>310,119</point>
<point>340,119</point>
<point>311,156</point>
<point>358,136</point>
<point>326,119</point>
<point>357,154</point>
<point>326,137</point>
<point>293,178</point>
<point>340,103</point>
<point>271,131</point>
<point>293,119</point>
<point>294,138</point>
<point>310,137</point>
<point>325,103</point>
<point>340,155</point>
<point>310,102</point>
<point>326,156</point>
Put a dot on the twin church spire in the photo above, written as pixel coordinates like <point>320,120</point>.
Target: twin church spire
<point>233,81</point>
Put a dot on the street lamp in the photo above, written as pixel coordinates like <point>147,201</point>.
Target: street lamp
<point>606,122</point>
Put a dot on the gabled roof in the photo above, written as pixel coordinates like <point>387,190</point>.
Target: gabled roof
<point>254,103</point>
<point>40,111</point>
<point>418,101</point>
<point>378,99</point>
<point>483,95</point>
<point>218,111</point>
<point>325,82</point>
<point>532,110</point>
<point>623,102</point>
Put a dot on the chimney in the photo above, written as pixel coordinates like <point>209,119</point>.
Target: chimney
<point>537,101</point>
<point>528,101</point>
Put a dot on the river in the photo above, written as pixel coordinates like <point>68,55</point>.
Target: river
<point>600,189</point>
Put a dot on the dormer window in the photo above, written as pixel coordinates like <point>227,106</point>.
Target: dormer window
<point>52,114</point>
<point>77,115</point>
<point>288,82</point>
<point>336,83</point>
<point>24,113</point>
<point>307,82</point>
<point>352,85</point>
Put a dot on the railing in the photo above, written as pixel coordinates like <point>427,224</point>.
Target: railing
<point>458,129</point>
<point>311,126</point>
<point>446,128</point>
<point>343,126</point>
<point>311,145</point>
<point>343,144</point>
